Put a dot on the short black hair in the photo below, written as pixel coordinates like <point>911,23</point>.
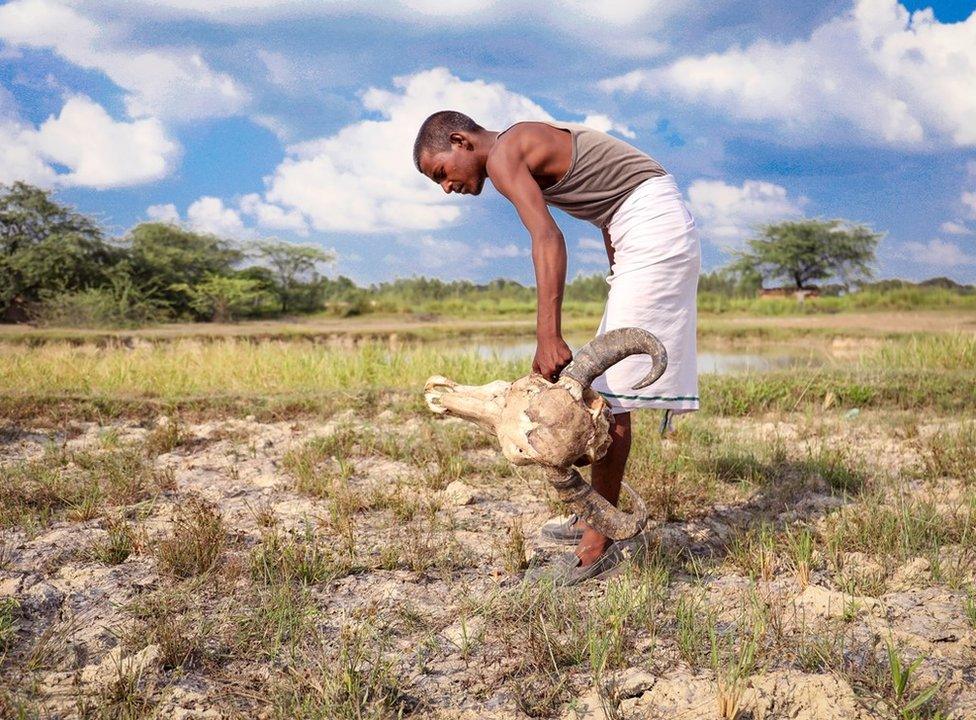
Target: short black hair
<point>435,134</point>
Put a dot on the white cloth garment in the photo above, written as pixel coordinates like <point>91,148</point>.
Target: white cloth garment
<point>654,285</point>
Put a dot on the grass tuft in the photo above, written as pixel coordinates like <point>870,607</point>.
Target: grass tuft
<point>197,540</point>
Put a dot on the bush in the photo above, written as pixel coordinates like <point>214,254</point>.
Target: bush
<point>97,307</point>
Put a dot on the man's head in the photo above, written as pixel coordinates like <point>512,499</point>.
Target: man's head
<point>447,150</point>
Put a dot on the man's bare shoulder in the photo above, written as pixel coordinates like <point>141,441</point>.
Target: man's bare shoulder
<point>523,143</point>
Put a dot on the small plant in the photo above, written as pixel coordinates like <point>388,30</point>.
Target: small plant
<point>800,546</point>
<point>694,623</point>
<point>351,682</point>
<point>732,667</point>
<point>755,552</point>
<point>299,559</point>
<point>512,549</point>
<point>8,623</point>
<point>909,707</point>
<point>117,546</point>
<point>196,542</point>
<point>970,607</point>
<point>165,437</point>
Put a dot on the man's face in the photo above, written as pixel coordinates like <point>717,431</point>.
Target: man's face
<point>455,170</point>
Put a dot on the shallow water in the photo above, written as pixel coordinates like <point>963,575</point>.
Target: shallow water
<point>710,360</point>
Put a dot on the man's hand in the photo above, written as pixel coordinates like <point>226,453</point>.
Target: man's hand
<point>552,354</point>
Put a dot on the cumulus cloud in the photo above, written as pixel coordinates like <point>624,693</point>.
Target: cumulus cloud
<point>210,215</point>
<point>727,214</point>
<point>273,217</point>
<point>166,213</point>
<point>939,254</point>
<point>604,123</point>
<point>97,151</point>
<point>165,82</point>
<point>362,179</point>
<point>895,77</point>
<point>101,152</point>
<point>617,27</point>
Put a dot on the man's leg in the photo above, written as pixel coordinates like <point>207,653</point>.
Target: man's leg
<point>607,474</point>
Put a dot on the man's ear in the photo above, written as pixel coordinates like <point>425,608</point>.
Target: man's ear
<point>461,139</point>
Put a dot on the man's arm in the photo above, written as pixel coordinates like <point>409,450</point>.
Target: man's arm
<point>511,177</point>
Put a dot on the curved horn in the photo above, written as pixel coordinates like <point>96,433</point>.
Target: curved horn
<point>600,353</point>
<point>594,509</point>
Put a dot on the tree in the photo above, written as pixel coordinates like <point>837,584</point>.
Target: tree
<point>296,271</point>
<point>222,299</point>
<point>47,248</point>
<point>805,251</point>
<point>164,256</point>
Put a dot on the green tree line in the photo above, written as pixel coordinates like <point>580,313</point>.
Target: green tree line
<point>57,266</point>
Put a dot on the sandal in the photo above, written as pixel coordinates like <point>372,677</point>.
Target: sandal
<point>562,531</point>
<point>566,570</point>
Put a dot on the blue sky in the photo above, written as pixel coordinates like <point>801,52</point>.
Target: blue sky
<point>295,118</point>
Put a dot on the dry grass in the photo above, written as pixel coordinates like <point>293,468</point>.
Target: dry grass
<point>196,542</point>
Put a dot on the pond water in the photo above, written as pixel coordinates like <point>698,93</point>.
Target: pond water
<point>710,360</point>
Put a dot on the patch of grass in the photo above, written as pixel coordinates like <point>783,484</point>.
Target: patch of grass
<point>349,679</point>
<point>732,662</point>
<point>424,545</point>
<point>165,437</point>
<point>117,545</point>
<point>951,453</point>
<point>910,705</point>
<point>694,623</point>
<point>8,624</point>
<point>277,620</point>
<point>171,618</point>
<point>899,527</point>
<point>754,552</point>
<point>196,542</point>
<point>76,485</point>
<point>512,548</point>
<point>800,545</point>
<point>296,558</point>
<point>969,607</point>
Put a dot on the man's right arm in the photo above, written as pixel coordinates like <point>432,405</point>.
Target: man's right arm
<point>510,175</point>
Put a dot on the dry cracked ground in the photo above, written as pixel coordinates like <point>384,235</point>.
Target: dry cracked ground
<point>816,566</point>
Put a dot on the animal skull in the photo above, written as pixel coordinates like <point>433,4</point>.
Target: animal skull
<point>558,425</point>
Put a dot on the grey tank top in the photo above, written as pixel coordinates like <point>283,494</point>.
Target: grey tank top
<point>602,173</point>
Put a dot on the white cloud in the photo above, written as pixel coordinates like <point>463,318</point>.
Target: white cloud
<point>939,253</point>
<point>727,214</point>
<point>102,153</point>
<point>604,123</point>
<point>97,151</point>
<point>618,27</point>
<point>273,217</point>
<point>895,77</point>
<point>429,253</point>
<point>509,250</point>
<point>951,227</point>
<point>21,160</point>
<point>210,215</point>
<point>163,213</point>
<point>362,179</point>
<point>166,82</point>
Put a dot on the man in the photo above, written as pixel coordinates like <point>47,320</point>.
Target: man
<point>654,255</point>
